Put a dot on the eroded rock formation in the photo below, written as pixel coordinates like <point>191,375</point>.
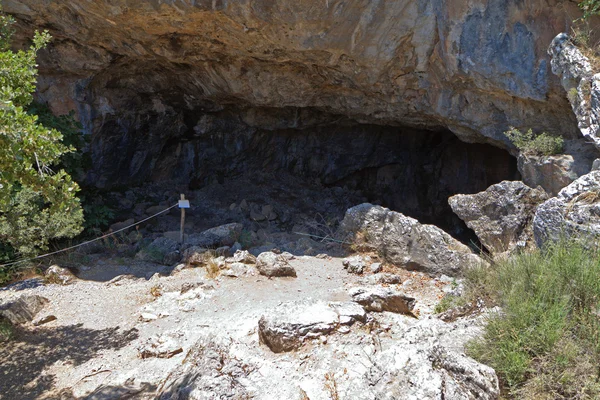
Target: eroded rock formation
<point>142,73</point>
<point>580,82</point>
<point>405,242</point>
<point>501,216</point>
<point>573,213</point>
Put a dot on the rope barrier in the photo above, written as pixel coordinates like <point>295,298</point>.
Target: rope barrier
<point>321,237</point>
<point>89,241</point>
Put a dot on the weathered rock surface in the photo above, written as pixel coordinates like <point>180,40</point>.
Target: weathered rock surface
<point>224,235</point>
<point>22,309</point>
<point>157,250</point>
<point>355,264</point>
<point>428,64</point>
<point>244,257</point>
<point>581,84</point>
<point>274,265</point>
<point>393,356</point>
<point>187,91</point>
<point>208,372</point>
<point>383,299</point>
<point>237,269</point>
<point>376,268</point>
<point>429,367</point>
<point>289,325</point>
<point>161,346</point>
<point>573,212</point>
<point>384,278</point>
<point>501,216</point>
<point>405,242</point>
<point>57,274</point>
<point>555,172</point>
<point>194,255</point>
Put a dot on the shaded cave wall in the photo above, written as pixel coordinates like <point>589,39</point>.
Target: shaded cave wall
<point>410,170</point>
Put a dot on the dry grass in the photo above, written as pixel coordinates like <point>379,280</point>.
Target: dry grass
<point>208,260</point>
<point>590,197</point>
<point>212,268</point>
<point>303,395</point>
<point>331,386</point>
<point>361,243</point>
<point>156,291</point>
<point>588,42</point>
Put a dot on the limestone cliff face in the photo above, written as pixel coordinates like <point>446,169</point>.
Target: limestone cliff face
<point>474,67</point>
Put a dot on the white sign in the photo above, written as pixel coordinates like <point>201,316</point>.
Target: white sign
<point>184,204</point>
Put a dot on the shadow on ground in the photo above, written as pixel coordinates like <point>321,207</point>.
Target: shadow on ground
<point>24,359</point>
<point>106,268</point>
<point>143,391</point>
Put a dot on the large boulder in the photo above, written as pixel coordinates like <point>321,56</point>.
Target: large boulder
<point>158,250</point>
<point>501,216</point>
<point>224,235</point>
<point>274,265</point>
<point>380,299</point>
<point>553,173</point>
<point>574,212</point>
<point>22,309</point>
<point>404,241</point>
<point>289,325</point>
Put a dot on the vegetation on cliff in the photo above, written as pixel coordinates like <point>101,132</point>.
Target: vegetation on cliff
<point>540,145</point>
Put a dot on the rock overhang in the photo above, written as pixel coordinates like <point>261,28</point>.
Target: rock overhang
<point>473,68</point>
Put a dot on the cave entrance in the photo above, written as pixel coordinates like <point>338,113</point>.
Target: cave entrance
<point>409,170</point>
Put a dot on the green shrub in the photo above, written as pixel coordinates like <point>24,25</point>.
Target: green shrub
<point>548,322</point>
<point>6,330</point>
<point>590,7</point>
<point>542,145</point>
<point>449,302</point>
<point>32,223</point>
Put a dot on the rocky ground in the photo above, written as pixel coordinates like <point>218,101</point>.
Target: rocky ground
<point>188,336</point>
<point>280,316</point>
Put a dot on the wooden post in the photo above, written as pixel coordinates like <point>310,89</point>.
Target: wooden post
<point>182,220</point>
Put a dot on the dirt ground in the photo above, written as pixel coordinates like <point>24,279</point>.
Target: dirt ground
<point>91,350</point>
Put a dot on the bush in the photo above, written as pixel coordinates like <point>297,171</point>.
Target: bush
<point>32,223</point>
<point>541,145</point>
<point>590,7</point>
<point>545,341</point>
<point>6,331</point>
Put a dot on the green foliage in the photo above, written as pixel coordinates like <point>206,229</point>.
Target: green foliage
<point>542,145</point>
<point>6,330</point>
<point>590,7</point>
<point>77,161</point>
<point>449,302</point>
<point>31,224</point>
<point>548,321</point>
<point>38,201</point>
<point>98,215</point>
